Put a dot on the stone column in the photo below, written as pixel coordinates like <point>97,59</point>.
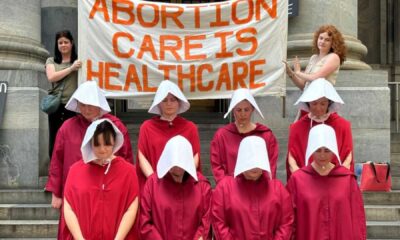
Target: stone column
<point>314,13</point>
<point>23,131</point>
<point>58,15</point>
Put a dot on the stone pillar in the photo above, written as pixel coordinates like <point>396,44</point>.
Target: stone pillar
<point>314,13</point>
<point>23,131</point>
<point>58,15</point>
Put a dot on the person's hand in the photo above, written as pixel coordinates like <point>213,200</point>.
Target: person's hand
<point>289,70</point>
<point>76,65</point>
<point>296,65</point>
<point>56,202</point>
<point>346,165</point>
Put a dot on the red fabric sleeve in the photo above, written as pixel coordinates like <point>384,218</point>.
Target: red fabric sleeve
<point>204,229</point>
<point>126,150</point>
<point>55,179</point>
<point>284,231</point>
<point>292,193</point>
<point>147,228</point>
<point>358,214</point>
<point>215,159</point>
<point>273,152</point>
<point>221,230</point>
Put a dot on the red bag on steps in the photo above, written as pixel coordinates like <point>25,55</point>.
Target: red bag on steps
<point>376,177</point>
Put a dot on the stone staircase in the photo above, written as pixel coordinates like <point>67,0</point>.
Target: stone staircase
<point>27,214</point>
<point>383,209</point>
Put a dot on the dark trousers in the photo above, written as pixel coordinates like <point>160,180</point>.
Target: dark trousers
<point>55,121</point>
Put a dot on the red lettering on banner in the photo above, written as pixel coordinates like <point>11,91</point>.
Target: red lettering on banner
<point>200,70</point>
<point>116,50</point>
<point>109,66</point>
<point>218,18</point>
<point>166,69</point>
<point>271,10</point>
<point>197,20</point>
<point>254,72</point>
<point>173,15</point>
<point>93,74</point>
<point>252,40</point>
<point>146,87</point>
<point>172,49</point>
<point>223,53</point>
<point>140,18</point>
<point>224,78</point>
<point>240,72</point>
<point>189,46</point>
<point>100,6</point>
<point>147,46</point>
<point>190,75</point>
<point>117,8</point>
<point>132,77</point>
<point>249,8</point>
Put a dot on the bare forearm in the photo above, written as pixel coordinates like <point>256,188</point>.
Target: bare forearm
<point>54,76</point>
<point>292,163</point>
<point>127,220</point>
<point>72,221</point>
<point>145,165</point>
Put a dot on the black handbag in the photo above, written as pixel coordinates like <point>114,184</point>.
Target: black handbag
<point>52,101</point>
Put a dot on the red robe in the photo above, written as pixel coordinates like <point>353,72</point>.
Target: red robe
<point>298,139</point>
<point>155,133</point>
<point>327,207</point>
<point>100,200</point>
<point>225,146</point>
<point>175,211</point>
<point>244,209</point>
<point>67,150</point>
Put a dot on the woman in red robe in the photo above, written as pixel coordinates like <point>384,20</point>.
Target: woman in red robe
<point>154,133</point>
<point>251,205</point>
<point>91,104</point>
<point>225,144</point>
<point>327,201</point>
<point>101,192</point>
<point>175,202</point>
<point>321,100</point>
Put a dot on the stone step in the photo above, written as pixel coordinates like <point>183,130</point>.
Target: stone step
<point>28,211</point>
<point>28,228</point>
<point>382,212</point>
<point>24,196</point>
<point>379,198</point>
<point>383,229</point>
<point>395,183</point>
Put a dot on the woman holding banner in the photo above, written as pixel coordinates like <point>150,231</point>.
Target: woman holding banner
<point>154,133</point>
<point>330,49</point>
<point>61,71</point>
<point>225,144</point>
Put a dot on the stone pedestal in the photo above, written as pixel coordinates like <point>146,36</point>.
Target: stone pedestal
<point>367,107</point>
<point>23,131</point>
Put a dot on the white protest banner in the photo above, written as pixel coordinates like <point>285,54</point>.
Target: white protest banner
<point>209,50</point>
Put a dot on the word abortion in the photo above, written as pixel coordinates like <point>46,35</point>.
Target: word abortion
<point>124,12</point>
